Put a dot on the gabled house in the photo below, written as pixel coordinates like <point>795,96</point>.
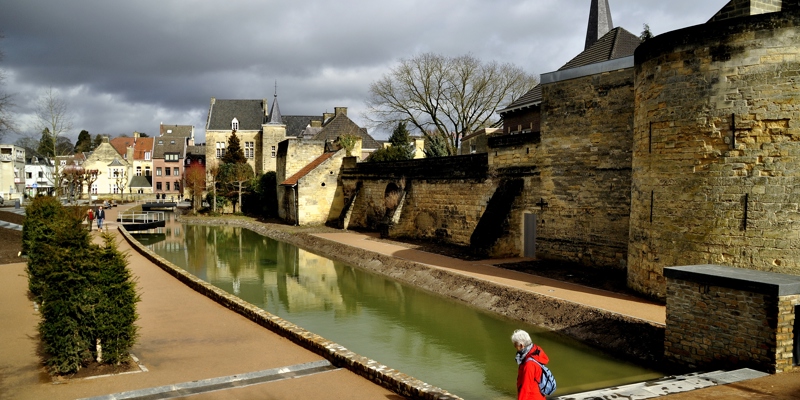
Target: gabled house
<point>339,124</point>
<point>138,151</point>
<point>114,171</point>
<point>169,152</point>
<point>12,168</point>
<point>38,174</point>
<point>258,130</point>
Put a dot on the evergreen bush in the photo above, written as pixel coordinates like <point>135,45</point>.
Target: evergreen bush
<point>88,296</point>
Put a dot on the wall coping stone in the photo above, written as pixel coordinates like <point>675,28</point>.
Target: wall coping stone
<point>762,282</point>
<point>587,70</point>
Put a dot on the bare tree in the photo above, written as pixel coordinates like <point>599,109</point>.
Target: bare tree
<point>451,96</point>
<point>52,114</point>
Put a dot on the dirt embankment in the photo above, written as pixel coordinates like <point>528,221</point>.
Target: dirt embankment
<point>10,240</point>
<point>623,336</point>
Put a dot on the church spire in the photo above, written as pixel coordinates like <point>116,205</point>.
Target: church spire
<point>275,112</point>
<point>599,22</point>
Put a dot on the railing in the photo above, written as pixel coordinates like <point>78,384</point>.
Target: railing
<point>141,217</point>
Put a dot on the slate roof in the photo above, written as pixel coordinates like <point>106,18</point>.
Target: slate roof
<point>169,144</point>
<point>249,113</point>
<point>275,112</point>
<point>617,43</point>
<point>292,180</point>
<point>599,22</point>
<point>178,130</point>
<point>340,125</point>
<point>296,124</point>
<point>141,181</point>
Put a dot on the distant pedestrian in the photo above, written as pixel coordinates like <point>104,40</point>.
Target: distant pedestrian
<point>530,358</point>
<point>90,217</point>
<point>101,215</point>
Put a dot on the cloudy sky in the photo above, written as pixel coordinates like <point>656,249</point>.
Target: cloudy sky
<point>125,66</point>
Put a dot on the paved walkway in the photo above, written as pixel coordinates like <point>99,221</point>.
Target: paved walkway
<point>184,337</point>
<point>614,302</point>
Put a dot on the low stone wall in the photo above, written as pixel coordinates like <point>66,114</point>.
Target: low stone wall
<point>338,355</point>
<point>636,340</point>
<point>724,317</point>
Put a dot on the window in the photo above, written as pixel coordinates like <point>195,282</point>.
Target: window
<point>176,171</point>
<point>147,171</point>
<point>171,157</point>
<point>273,151</point>
<point>41,174</point>
<point>177,186</point>
<point>220,149</point>
<point>167,171</point>
<point>235,125</point>
<point>94,188</point>
<point>158,185</point>
<point>29,175</point>
<point>249,149</point>
<point>167,183</point>
<point>158,171</point>
<point>473,149</point>
<point>147,156</point>
<point>139,171</point>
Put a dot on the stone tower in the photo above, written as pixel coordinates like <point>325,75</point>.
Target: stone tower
<point>599,22</point>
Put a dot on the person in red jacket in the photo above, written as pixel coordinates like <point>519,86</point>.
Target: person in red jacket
<point>529,373</point>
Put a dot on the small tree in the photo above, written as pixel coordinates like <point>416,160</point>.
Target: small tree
<point>84,142</point>
<point>237,179</point>
<point>194,179</point>
<point>646,33</point>
<point>234,153</point>
<point>348,142</point>
<point>401,147</point>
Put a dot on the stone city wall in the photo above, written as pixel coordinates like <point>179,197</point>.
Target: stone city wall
<point>582,202</point>
<point>716,162</point>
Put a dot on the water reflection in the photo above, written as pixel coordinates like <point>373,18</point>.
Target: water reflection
<point>439,341</point>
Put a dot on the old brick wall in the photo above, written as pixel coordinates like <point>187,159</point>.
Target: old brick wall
<point>292,155</point>
<point>585,163</point>
<point>716,147</point>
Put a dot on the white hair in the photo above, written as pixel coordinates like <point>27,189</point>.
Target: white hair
<point>521,337</point>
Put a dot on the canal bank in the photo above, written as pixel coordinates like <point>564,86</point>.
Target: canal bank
<point>624,326</point>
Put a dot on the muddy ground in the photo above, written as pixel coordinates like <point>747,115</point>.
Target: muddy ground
<point>10,240</point>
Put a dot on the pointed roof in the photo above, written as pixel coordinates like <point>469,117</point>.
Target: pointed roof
<point>116,163</point>
<point>275,112</point>
<point>617,43</point>
<point>599,22</point>
<point>340,124</point>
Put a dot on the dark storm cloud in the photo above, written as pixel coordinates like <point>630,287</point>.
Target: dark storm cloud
<point>126,66</point>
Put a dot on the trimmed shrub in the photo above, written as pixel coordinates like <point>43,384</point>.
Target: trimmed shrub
<point>88,296</point>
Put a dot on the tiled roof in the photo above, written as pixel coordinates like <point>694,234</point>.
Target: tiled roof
<point>340,125</point>
<point>143,145</point>
<point>308,168</point>
<point>249,113</point>
<point>121,144</point>
<point>617,43</point>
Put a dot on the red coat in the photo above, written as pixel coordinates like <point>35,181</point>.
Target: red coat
<point>530,374</point>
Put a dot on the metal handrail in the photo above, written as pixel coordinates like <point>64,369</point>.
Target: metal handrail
<point>140,217</point>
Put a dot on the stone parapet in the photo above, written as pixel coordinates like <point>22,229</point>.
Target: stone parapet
<point>724,317</point>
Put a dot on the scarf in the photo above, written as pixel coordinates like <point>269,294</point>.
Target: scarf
<point>520,357</point>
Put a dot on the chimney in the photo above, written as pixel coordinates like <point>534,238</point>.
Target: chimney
<point>326,116</point>
<point>135,135</point>
<point>340,111</point>
<point>316,124</point>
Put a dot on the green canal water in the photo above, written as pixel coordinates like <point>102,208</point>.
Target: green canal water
<point>437,340</point>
